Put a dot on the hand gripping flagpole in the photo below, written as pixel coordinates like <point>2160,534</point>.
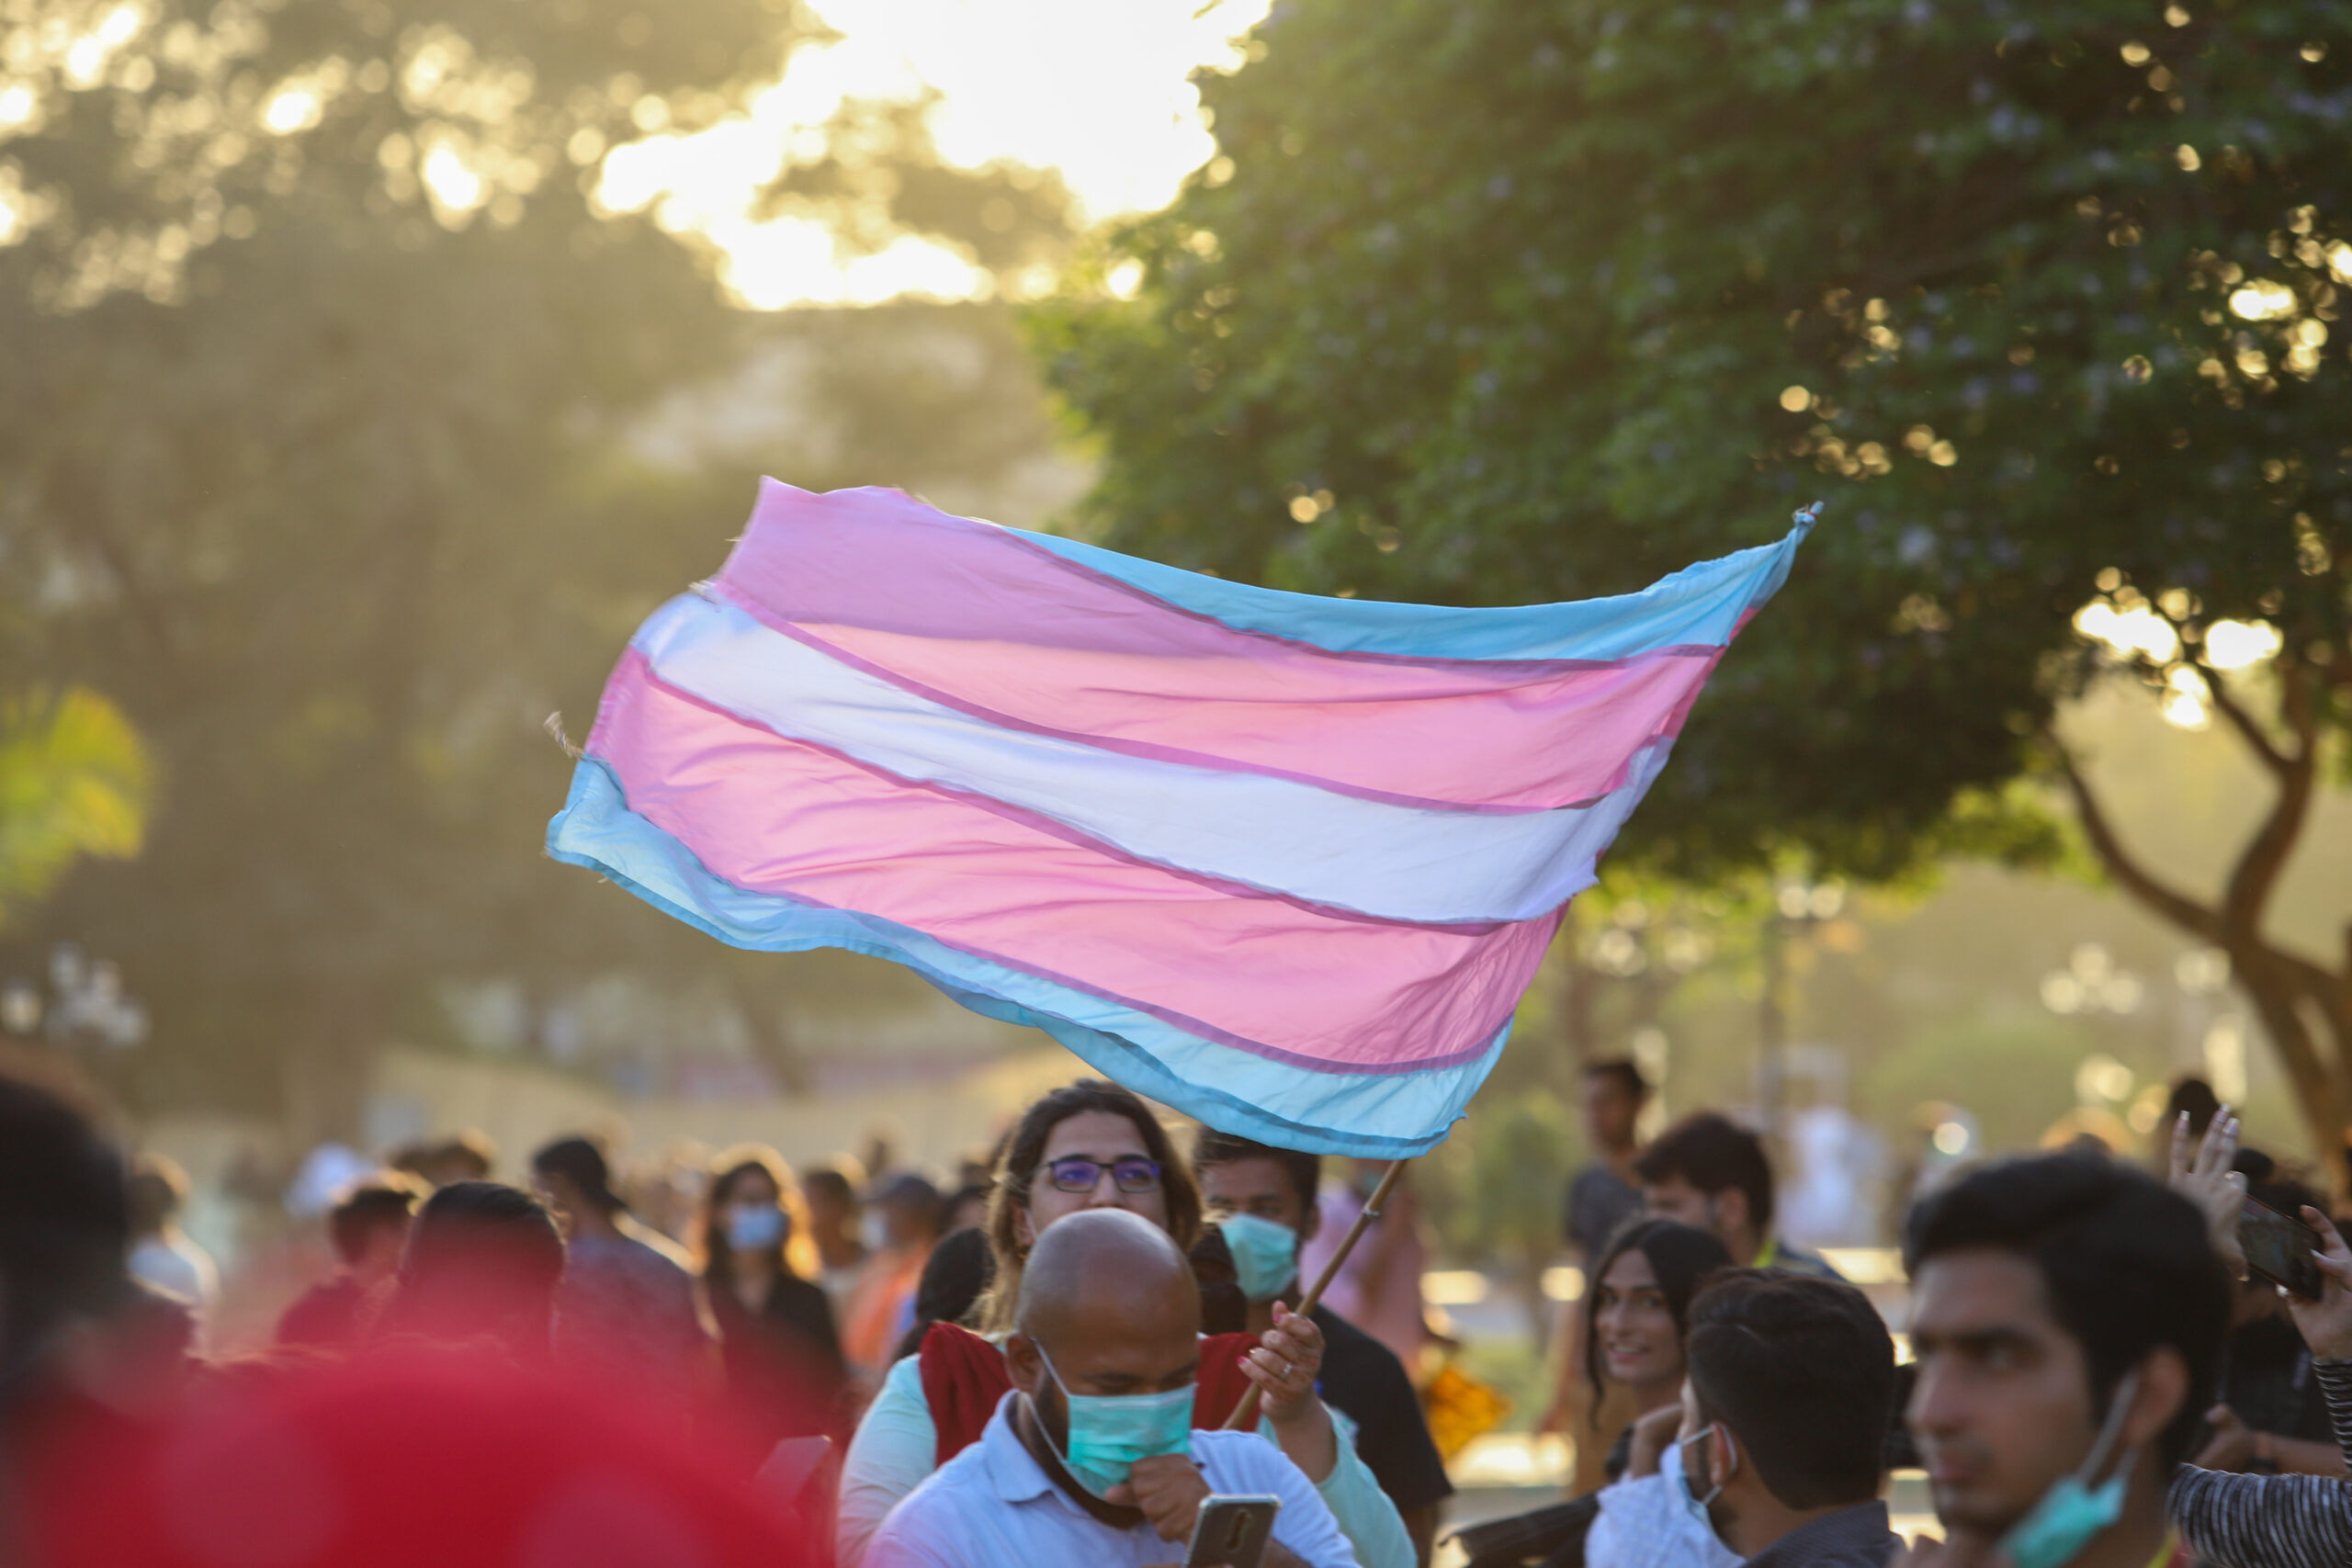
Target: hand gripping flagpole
<point>1245,1414</point>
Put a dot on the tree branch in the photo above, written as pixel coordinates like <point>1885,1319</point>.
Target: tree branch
<point>2170,902</point>
<point>2318,1081</point>
<point>2265,856</point>
<point>2248,729</point>
<point>2256,739</point>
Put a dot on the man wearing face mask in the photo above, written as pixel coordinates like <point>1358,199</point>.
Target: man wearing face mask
<point>1785,1412</point>
<point>2067,1315</point>
<point>1093,1458</point>
<point>1263,1200</point>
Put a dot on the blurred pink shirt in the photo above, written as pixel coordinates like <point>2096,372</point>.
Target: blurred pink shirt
<point>1387,1307</point>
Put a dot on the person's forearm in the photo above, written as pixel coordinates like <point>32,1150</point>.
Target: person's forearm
<point>1277,1555</point>
<point>1366,1516</point>
<point>1309,1440</point>
<point>2303,1456</point>
<point>2261,1521</point>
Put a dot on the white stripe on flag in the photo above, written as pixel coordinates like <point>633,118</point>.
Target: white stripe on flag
<point>1280,835</point>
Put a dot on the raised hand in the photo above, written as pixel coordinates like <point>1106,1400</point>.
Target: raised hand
<point>2203,1177</point>
<point>1651,1434</point>
<point>2326,1324</point>
<point>1285,1363</point>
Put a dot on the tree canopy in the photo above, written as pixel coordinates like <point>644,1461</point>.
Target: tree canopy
<point>74,780</point>
<point>1488,302</point>
<point>318,454</point>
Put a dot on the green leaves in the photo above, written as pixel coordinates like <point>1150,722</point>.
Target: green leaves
<point>1550,300</point>
<point>74,780</point>
<point>373,479</point>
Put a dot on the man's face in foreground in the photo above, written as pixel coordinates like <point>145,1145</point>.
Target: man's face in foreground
<point>2003,1405</point>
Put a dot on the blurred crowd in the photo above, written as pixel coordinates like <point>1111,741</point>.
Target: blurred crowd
<point>1080,1343</point>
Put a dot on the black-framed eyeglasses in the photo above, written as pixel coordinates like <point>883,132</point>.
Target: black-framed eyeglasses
<point>1129,1173</point>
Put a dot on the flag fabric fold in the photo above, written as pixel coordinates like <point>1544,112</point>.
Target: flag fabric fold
<point>1283,863</point>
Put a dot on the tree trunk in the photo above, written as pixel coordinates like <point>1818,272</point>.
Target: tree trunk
<point>2305,1008</point>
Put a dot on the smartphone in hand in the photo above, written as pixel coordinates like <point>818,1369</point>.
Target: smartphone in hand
<point>1232,1532</point>
<point>2279,1249</point>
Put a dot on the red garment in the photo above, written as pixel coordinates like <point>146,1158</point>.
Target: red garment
<point>401,1459</point>
<point>964,1379</point>
<point>1222,1383</point>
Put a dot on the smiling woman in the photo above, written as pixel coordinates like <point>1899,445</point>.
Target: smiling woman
<point>1643,1283</point>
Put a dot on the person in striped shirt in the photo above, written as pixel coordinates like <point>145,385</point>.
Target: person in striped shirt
<point>2234,1521</point>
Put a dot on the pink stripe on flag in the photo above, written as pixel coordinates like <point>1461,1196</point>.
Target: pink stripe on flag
<point>969,615</point>
<point>778,817</point>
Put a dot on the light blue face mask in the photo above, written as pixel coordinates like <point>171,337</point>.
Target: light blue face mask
<point>1109,1433</point>
<point>2054,1531</point>
<point>1265,1254</point>
<point>755,1230</point>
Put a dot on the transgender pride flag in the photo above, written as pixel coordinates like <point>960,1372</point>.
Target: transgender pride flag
<point>1286,863</point>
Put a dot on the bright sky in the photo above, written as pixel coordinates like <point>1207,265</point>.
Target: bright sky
<point>1094,88</point>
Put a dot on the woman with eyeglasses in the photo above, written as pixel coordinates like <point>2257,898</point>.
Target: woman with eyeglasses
<point>1093,1145</point>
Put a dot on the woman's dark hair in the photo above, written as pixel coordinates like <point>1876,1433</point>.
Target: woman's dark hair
<point>796,1249</point>
<point>1681,1255</point>
<point>2125,1264</point>
<point>1025,1150</point>
<point>1223,1309</point>
<point>953,1278</point>
<point>482,1262</point>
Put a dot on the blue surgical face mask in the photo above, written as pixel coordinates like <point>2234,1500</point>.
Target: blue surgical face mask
<point>755,1229</point>
<point>2074,1511</point>
<point>1108,1435</point>
<point>1265,1254</point>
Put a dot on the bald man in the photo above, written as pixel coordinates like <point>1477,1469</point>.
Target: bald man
<point>1092,1459</point>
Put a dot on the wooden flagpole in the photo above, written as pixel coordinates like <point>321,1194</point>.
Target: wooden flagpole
<point>1245,1415</point>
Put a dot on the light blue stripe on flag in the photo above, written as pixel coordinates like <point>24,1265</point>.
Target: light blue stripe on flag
<point>1385,1115</point>
<point>1700,604</point>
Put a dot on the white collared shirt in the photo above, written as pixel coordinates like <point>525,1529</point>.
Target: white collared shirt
<point>1650,1523</point>
<point>994,1506</point>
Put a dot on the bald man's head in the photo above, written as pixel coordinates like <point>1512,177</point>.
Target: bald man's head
<point>1112,1303</point>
